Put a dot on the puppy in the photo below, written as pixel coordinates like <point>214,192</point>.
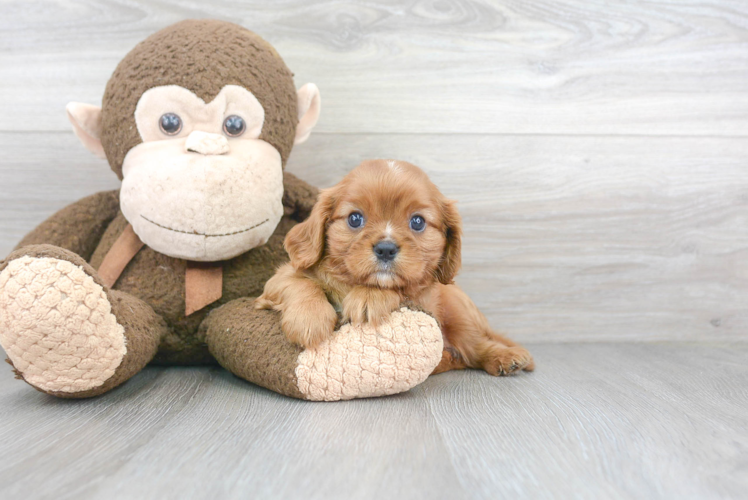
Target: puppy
<point>383,236</point>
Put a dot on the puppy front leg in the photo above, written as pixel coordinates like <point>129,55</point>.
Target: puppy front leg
<point>307,318</point>
<point>467,329</point>
<point>367,304</point>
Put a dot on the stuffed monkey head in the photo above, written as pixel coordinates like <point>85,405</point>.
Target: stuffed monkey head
<point>198,121</point>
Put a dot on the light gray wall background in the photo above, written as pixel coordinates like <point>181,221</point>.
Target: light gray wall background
<point>598,149</point>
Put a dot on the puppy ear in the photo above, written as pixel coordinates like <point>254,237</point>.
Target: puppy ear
<point>452,257</point>
<point>305,242</point>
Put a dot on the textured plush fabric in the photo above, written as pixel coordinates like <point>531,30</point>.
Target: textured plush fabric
<point>358,362</point>
<point>202,207</point>
<point>158,279</point>
<point>206,143</point>
<point>56,325</point>
<point>77,227</point>
<point>309,104</point>
<point>185,54</point>
<point>83,339</point>
<point>362,362</point>
<point>144,330</point>
<point>86,121</point>
<point>250,344</point>
<point>298,197</point>
<point>52,250</point>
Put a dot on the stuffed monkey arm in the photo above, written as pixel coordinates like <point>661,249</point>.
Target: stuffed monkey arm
<point>298,197</point>
<point>77,227</point>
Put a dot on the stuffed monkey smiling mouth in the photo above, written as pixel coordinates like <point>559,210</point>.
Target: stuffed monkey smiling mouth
<point>202,234</point>
<point>202,207</point>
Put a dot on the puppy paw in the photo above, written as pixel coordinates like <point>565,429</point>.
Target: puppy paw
<point>500,360</point>
<point>263,303</point>
<point>310,323</point>
<point>369,305</point>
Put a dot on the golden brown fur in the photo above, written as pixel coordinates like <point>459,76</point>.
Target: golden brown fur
<point>334,268</point>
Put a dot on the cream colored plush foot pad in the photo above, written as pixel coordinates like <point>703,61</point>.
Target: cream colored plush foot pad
<point>56,325</point>
<point>362,361</point>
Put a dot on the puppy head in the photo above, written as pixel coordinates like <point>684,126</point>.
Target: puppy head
<point>385,224</point>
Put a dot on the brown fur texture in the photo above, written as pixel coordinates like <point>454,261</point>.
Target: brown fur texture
<point>249,343</point>
<point>185,54</point>
<point>334,267</point>
<point>77,227</point>
<point>158,279</point>
<point>148,299</point>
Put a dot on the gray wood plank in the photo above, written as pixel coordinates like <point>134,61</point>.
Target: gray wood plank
<point>566,238</point>
<point>457,66</point>
<point>612,421</point>
<point>595,421</point>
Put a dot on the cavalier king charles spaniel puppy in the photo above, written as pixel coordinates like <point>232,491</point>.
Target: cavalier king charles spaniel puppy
<point>383,236</point>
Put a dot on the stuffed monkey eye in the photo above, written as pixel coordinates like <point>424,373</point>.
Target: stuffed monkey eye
<point>234,126</point>
<point>417,223</point>
<point>170,124</point>
<point>356,220</point>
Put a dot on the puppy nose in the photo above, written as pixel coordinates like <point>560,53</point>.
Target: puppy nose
<point>206,143</point>
<point>386,250</point>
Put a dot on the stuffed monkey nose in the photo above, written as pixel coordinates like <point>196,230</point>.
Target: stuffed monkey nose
<point>206,143</point>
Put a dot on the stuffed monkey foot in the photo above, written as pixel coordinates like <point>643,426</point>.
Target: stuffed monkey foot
<point>357,362</point>
<point>64,332</point>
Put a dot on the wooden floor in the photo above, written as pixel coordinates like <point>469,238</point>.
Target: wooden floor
<point>598,420</point>
<point>599,154</point>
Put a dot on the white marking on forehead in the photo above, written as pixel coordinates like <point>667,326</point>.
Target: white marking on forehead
<point>393,166</point>
<point>388,230</point>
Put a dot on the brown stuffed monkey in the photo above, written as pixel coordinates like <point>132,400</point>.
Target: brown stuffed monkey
<point>197,121</point>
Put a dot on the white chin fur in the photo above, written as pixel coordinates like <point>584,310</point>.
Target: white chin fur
<point>385,278</point>
<point>198,207</point>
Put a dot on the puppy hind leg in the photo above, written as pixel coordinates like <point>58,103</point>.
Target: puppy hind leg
<point>468,330</point>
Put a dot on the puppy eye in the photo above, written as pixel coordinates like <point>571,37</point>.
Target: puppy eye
<point>234,126</point>
<point>170,124</point>
<point>417,223</point>
<point>356,220</point>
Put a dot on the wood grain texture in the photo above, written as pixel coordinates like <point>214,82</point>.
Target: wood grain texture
<point>595,421</point>
<point>566,238</point>
<point>598,153</point>
<point>442,66</point>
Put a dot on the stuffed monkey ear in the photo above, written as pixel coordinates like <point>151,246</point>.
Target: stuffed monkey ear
<point>305,242</point>
<point>452,257</point>
<point>309,107</point>
<point>86,120</point>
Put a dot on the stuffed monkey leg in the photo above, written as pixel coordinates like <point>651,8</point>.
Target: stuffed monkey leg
<point>64,332</point>
<point>357,362</point>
